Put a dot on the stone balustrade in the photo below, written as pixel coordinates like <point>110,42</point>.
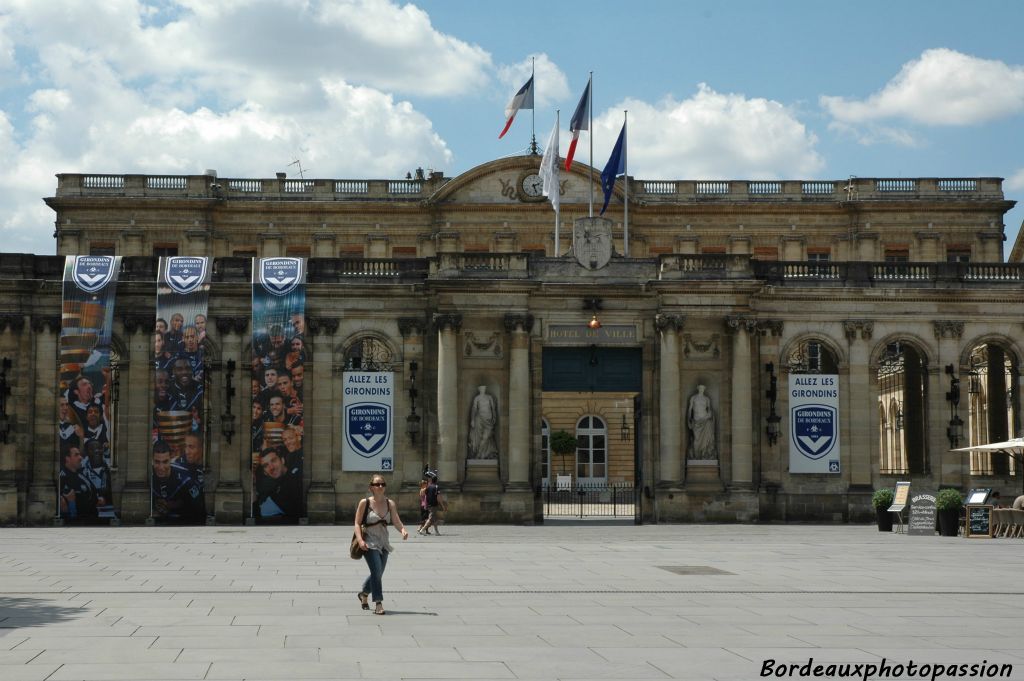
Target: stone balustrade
<point>651,191</point>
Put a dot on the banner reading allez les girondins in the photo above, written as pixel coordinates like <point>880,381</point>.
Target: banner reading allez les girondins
<point>814,423</point>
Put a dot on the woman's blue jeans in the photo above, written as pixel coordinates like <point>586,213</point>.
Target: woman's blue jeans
<point>377,560</point>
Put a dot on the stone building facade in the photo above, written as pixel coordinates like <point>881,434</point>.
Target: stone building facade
<point>895,286</point>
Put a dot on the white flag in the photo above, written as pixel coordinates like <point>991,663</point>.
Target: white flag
<point>549,168</point>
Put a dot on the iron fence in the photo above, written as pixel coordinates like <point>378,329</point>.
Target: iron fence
<point>590,500</point>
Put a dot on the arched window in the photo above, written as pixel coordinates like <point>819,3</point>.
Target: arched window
<point>368,354</point>
<point>994,405</point>
<point>901,391</point>
<point>545,451</point>
<point>591,450</point>
<point>812,357</point>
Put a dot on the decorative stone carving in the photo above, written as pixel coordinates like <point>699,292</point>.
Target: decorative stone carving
<point>664,322</point>
<point>948,329</point>
<point>411,326</point>
<point>41,322</point>
<point>448,320</point>
<point>14,322</point>
<point>854,326</point>
<point>325,325</point>
<point>226,325</point>
<point>592,242</point>
<point>736,323</point>
<point>701,348</point>
<point>134,323</point>
<point>516,321</point>
<point>482,347</point>
<point>770,327</point>
<point>700,420</point>
<point>483,426</point>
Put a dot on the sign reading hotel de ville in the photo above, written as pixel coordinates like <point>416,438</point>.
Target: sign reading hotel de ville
<point>813,423</point>
<point>367,417</point>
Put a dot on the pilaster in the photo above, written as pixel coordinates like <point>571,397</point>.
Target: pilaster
<point>519,392</point>
<point>862,412</point>
<point>448,326</point>
<point>742,445</point>
<point>670,414</point>
<point>318,441</point>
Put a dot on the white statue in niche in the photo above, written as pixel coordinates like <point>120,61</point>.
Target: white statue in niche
<point>700,419</point>
<point>483,422</point>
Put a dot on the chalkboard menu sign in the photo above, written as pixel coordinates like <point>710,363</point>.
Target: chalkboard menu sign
<point>979,522</point>
<point>922,515</point>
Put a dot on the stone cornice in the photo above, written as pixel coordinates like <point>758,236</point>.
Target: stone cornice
<point>411,326</point>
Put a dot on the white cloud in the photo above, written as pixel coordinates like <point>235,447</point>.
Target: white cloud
<point>550,82</point>
<point>942,87</point>
<point>121,86</point>
<point>708,136</point>
<point>1015,182</point>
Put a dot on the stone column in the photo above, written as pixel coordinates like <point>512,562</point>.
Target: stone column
<point>228,500</point>
<point>135,406</point>
<point>670,415</point>
<point>317,441</point>
<point>947,467</point>
<point>519,392</point>
<point>740,412</point>
<point>410,468</point>
<point>771,456</point>
<point>448,326</point>
<point>42,494</point>
<point>11,326</point>
<point>862,416</point>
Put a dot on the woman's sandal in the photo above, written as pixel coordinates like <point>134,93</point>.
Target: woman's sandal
<point>364,600</point>
<point>380,609</point>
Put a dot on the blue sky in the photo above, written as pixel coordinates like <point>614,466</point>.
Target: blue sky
<point>370,88</point>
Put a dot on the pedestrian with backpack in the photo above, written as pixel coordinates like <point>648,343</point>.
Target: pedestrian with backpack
<point>436,503</point>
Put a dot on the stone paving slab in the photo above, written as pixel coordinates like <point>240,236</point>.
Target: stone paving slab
<point>549,602</point>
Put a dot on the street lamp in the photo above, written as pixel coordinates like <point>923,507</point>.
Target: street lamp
<point>955,430</point>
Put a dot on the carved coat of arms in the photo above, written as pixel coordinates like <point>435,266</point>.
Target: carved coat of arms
<point>592,242</point>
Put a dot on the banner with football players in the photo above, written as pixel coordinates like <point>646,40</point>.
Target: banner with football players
<point>278,371</point>
<point>85,416</point>
<point>179,415</point>
<point>814,423</point>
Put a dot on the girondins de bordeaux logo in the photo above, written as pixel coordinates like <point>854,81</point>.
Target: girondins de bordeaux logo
<point>368,427</point>
<point>93,272</point>
<point>814,429</point>
<point>185,274</point>
<point>280,276</point>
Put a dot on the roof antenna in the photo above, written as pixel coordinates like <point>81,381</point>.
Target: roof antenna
<point>298,163</point>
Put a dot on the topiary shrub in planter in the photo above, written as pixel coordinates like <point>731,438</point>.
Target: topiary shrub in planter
<point>881,500</point>
<point>948,503</point>
<point>563,444</point>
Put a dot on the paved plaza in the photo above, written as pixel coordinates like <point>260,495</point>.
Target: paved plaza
<point>587,601</point>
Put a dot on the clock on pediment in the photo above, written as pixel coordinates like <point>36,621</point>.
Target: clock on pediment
<point>530,186</point>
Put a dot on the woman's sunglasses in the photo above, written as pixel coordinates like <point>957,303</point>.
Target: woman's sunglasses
<point>378,484</point>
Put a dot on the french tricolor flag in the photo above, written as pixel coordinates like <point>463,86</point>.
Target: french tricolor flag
<point>580,121</point>
<point>522,100</point>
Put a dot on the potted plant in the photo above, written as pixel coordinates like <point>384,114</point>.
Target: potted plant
<point>562,444</point>
<point>881,500</point>
<point>948,503</point>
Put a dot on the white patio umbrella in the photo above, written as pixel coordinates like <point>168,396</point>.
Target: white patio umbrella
<point>1014,448</point>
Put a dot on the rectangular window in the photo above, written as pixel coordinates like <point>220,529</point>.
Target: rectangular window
<point>165,250</point>
<point>351,251</point>
<point>243,254</point>
<point>766,253</point>
<point>897,254</point>
<point>819,259</point>
<point>297,251</point>
<point>818,256</point>
<point>99,248</point>
<point>958,253</point>
<point>403,251</point>
<point>712,250</point>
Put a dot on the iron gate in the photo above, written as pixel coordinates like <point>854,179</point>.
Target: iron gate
<point>590,500</point>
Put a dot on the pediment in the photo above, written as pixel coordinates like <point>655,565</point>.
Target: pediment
<point>499,183</point>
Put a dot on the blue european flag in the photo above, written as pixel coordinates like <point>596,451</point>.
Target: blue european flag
<point>616,166</point>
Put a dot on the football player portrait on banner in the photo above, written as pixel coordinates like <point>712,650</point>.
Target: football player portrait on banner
<point>278,423</point>
<point>179,408</point>
<point>85,415</point>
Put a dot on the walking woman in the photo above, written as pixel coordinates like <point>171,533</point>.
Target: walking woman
<point>373,515</point>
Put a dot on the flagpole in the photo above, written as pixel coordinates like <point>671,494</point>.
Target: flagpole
<point>590,106</point>
<point>625,184</point>
<point>558,206</point>
<point>533,109</point>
